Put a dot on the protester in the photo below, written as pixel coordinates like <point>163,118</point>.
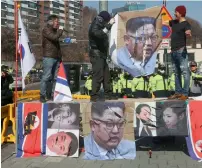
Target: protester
<point>99,45</point>
<point>181,29</point>
<point>52,55</point>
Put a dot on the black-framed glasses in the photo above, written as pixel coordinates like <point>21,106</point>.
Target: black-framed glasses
<point>110,125</point>
<point>143,39</point>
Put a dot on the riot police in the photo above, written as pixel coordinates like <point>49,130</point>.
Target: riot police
<point>196,80</point>
<point>159,82</point>
<point>88,84</point>
<point>116,82</point>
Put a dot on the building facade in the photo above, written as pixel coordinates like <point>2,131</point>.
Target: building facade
<point>194,53</point>
<point>28,12</point>
<point>129,6</point>
<point>34,13</point>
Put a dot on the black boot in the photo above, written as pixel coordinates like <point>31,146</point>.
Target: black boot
<point>110,97</point>
<point>42,99</point>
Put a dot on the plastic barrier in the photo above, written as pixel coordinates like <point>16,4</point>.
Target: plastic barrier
<point>75,96</point>
<point>8,114</point>
<point>28,95</point>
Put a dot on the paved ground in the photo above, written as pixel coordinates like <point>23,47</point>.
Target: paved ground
<point>162,157</point>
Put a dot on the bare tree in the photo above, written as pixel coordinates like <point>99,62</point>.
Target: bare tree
<point>7,44</point>
<point>196,32</point>
<point>78,52</point>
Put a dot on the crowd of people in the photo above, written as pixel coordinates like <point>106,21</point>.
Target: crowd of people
<point>157,85</point>
<point>116,83</point>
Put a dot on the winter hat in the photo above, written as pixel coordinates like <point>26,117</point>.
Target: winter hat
<point>105,15</point>
<point>181,10</point>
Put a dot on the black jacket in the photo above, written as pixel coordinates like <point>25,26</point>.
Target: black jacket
<point>5,82</point>
<point>98,39</point>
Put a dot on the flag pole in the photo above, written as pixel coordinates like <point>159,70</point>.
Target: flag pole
<point>16,67</point>
<point>17,6</point>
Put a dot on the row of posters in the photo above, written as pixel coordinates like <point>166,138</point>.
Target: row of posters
<point>53,129</point>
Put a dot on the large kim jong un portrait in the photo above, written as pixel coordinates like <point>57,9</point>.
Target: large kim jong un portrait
<point>105,142</point>
<point>135,39</point>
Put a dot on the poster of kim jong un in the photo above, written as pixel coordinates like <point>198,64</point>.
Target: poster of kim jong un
<point>106,142</point>
<point>135,39</point>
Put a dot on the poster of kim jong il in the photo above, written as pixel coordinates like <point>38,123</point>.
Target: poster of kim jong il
<point>135,39</point>
<point>105,142</point>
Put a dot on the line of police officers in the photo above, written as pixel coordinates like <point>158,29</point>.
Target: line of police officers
<point>156,85</point>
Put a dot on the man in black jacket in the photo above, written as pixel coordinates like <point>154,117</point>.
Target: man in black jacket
<point>98,41</point>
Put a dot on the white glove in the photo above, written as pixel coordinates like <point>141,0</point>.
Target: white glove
<point>61,27</point>
<point>112,21</point>
<point>73,41</point>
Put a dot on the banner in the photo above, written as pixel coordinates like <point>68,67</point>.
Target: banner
<point>63,129</point>
<point>134,40</point>
<point>32,129</point>
<point>194,140</point>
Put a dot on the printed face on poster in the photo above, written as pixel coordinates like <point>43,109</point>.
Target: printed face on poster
<point>63,129</point>
<point>160,119</point>
<point>135,39</point>
<point>62,143</point>
<point>145,119</point>
<point>171,118</point>
<point>105,142</point>
<point>63,115</point>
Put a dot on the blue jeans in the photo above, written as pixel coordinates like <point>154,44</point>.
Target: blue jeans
<point>180,67</point>
<point>50,70</point>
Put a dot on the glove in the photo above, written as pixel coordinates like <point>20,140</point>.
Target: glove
<point>112,21</point>
<point>69,40</point>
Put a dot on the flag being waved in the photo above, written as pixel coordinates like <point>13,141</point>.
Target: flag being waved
<point>27,58</point>
<point>62,91</point>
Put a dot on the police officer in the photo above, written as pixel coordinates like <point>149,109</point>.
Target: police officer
<point>98,51</point>
<point>141,87</point>
<point>196,80</point>
<point>88,84</point>
<point>116,83</point>
<point>159,83</point>
<point>126,83</point>
<point>171,83</point>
